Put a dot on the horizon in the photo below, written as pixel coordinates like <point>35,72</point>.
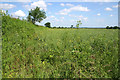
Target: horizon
<point>92,14</point>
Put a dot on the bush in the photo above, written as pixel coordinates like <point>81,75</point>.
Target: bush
<point>48,24</point>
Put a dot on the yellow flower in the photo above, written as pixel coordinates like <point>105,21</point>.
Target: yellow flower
<point>51,55</point>
<point>45,44</point>
<point>43,62</point>
<point>10,75</point>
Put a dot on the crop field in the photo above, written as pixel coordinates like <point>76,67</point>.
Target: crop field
<point>30,51</point>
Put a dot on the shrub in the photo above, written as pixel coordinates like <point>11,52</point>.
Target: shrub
<point>48,24</point>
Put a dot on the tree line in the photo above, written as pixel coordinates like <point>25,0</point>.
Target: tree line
<point>37,15</point>
<point>114,27</point>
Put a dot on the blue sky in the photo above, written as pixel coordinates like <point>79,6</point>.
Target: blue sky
<point>92,14</point>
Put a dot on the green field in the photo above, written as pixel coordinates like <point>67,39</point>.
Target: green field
<point>30,51</point>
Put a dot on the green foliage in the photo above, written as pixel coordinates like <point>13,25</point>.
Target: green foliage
<point>71,26</point>
<point>36,15</point>
<point>29,18</point>
<point>115,27</point>
<point>107,27</point>
<point>78,23</point>
<point>48,24</point>
<point>29,51</point>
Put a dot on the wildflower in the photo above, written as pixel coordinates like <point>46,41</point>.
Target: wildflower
<point>43,62</point>
<point>45,44</point>
<point>51,55</point>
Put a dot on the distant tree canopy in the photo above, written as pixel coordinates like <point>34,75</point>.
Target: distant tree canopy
<point>107,27</point>
<point>78,23</point>
<point>115,27</point>
<point>48,25</point>
<point>36,15</point>
<point>71,26</point>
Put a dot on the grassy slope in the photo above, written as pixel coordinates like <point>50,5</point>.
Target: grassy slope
<point>30,51</point>
<point>19,41</point>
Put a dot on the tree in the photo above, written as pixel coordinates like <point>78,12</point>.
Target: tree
<point>78,23</point>
<point>7,12</point>
<point>54,27</point>
<point>36,15</point>
<point>29,18</point>
<point>48,24</point>
<point>71,26</point>
<point>115,27</point>
<point>107,27</point>
<point>111,27</point>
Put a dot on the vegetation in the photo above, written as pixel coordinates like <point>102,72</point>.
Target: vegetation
<point>115,27</point>
<point>29,51</point>
<point>36,15</point>
<point>78,23</point>
<point>71,26</point>
<point>48,25</point>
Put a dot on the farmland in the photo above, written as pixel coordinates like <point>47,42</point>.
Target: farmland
<point>30,51</point>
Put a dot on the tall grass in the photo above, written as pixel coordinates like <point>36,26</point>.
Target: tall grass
<point>37,52</point>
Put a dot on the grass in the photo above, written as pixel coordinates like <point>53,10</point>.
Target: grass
<point>31,51</point>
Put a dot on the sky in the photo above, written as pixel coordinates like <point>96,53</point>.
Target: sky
<point>65,14</point>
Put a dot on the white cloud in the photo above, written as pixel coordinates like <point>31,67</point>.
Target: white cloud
<point>21,0</point>
<point>111,15</point>
<point>61,0</point>
<point>7,6</point>
<point>53,19</point>
<point>75,8</point>
<point>98,14</point>
<point>40,4</point>
<point>69,5</point>
<point>72,20</point>
<point>100,0</point>
<point>115,6</point>
<point>108,9</point>
<point>85,18</point>
<point>62,4</point>
<point>51,16</point>
<point>56,19</point>
<point>72,15</point>
<point>18,13</point>
<point>79,17</point>
<point>79,8</point>
<point>82,18</point>
<point>15,0</point>
<point>49,3</point>
<point>64,11</point>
